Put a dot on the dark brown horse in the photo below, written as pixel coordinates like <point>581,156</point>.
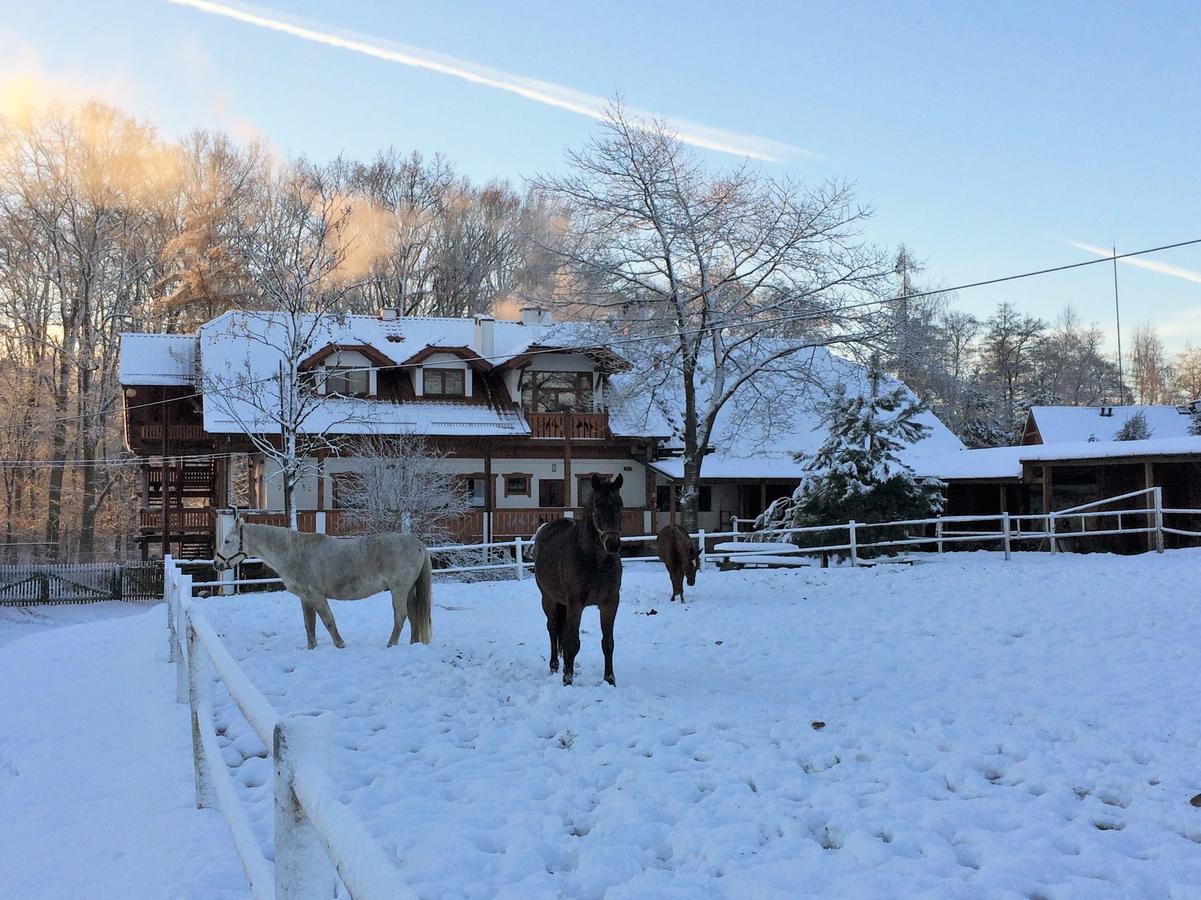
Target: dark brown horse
<point>680,555</point>
<point>577,563</point>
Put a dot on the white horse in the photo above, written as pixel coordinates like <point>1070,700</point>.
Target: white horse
<point>316,567</point>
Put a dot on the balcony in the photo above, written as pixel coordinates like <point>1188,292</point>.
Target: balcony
<point>569,426</point>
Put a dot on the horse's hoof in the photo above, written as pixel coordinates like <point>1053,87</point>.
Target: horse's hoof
<point>611,680</point>
<point>341,645</point>
<point>554,667</point>
<point>567,678</point>
<point>313,646</point>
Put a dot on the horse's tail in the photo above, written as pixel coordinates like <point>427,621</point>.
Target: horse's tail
<point>423,596</point>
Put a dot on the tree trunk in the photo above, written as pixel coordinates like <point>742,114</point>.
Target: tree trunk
<point>58,450</point>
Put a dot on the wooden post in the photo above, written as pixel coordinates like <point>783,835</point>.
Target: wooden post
<point>168,598</point>
<point>700,539</point>
<point>320,484</point>
<point>302,870</point>
<point>197,691</point>
<point>1154,537</point>
<point>166,470</point>
<point>183,593</point>
<point>567,498</point>
<point>1005,542</point>
<point>1159,520</point>
<point>853,542</point>
<point>671,500</point>
<point>938,533</point>
<point>518,549</point>
<point>1051,532</point>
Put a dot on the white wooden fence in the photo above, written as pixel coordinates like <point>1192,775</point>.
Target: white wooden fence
<point>317,838</point>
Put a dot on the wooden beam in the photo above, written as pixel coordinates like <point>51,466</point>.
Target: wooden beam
<point>1047,489</point>
<point>1149,482</point>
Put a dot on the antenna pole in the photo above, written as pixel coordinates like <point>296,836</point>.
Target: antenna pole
<point>1117,313</point>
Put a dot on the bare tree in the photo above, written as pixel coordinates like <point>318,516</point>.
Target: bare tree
<point>296,254</point>
<point>1188,373</point>
<point>722,280</point>
<point>1152,371</point>
<point>402,484</point>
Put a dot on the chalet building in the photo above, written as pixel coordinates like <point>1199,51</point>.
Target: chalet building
<point>1069,456</point>
<point>524,423</point>
<point>524,415</point>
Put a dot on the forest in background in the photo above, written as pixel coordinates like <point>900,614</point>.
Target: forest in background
<point>106,226</point>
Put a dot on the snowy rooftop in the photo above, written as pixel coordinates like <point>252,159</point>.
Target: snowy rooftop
<point>158,359</point>
<point>1061,424</point>
<point>757,440</point>
<point>1006,462</point>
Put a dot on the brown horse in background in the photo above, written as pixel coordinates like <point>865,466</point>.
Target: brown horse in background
<point>680,555</point>
<point>577,563</point>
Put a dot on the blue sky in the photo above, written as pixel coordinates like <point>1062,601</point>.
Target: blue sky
<point>982,135</point>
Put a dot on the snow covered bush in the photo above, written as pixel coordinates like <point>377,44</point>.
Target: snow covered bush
<point>857,473</point>
<point>1134,429</point>
<point>401,484</point>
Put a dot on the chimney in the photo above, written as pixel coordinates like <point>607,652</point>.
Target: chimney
<point>485,336</point>
<point>535,315</point>
<point>389,313</point>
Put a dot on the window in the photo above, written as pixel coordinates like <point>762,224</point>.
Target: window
<point>444,382</point>
<point>346,486</point>
<point>556,391</point>
<point>550,492</point>
<point>517,485</point>
<point>347,381</point>
<point>473,490</point>
<point>584,485</point>
<point>663,497</point>
<point>704,498</point>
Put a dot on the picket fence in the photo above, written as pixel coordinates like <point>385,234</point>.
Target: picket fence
<point>317,838</point>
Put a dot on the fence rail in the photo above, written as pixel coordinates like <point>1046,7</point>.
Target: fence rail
<point>317,838</point>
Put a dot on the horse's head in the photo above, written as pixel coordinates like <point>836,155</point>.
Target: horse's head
<point>604,510</point>
<point>232,550</point>
<point>694,558</point>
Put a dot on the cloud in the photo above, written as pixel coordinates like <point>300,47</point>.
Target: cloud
<point>694,133</point>
<point>1140,262</point>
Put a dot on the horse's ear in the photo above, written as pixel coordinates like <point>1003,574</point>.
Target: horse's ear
<point>596,482</point>
<point>617,482</point>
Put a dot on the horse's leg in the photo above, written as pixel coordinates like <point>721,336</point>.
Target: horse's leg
<point>310,623</point>
<point>327,617</point>
<point>608,613</point>
<point>399,605</point>
<point>677,583</point>
<point>554,626</point>
<point>569,638</point>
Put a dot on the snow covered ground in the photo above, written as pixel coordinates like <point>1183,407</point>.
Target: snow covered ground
<point>96,794</point>
<point>1024,729</point>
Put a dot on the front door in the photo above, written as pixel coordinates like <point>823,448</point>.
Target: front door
<point>550,492</point>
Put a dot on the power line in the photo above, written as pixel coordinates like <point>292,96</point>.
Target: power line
<point>686,332</point>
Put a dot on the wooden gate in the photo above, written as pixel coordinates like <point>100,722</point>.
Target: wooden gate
<point>139,582</point>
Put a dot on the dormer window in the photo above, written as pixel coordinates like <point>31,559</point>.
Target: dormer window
<point>556,392</point>
<point>348,381</point>
<point>444,383</point>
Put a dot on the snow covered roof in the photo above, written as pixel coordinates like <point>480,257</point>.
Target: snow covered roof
<point>1060,424</point>
<point>995,463</point>
<point>158,359</point>
<point>757,440</point>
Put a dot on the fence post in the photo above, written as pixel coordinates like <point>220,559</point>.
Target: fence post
<point>168,598</point>
<point>1005,533</point>
<point>1158,519</point>
<point>1051,532</point>
<point>319,523</point>
<point>183,585</point>
<point>518,549</point>
<point>854,543</point>
<point>302,870</point>
<point>938,533</point>
<point>700,539</point>
<point>734,526</point>
<point>197,691</point>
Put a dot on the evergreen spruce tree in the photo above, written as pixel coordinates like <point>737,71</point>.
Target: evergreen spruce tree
<point>857,473</point>
<point>1134,429</point>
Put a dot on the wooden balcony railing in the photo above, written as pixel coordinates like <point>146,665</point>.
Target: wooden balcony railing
<point>177,433</point>
<point>572,426</point>
<point>194,521</point>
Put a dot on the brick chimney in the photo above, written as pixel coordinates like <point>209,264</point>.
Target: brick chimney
<point>485,336</point>
<point>535,315</point>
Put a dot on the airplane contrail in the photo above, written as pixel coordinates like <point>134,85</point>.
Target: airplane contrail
<point>1138,261</point>
<point>551,94</point>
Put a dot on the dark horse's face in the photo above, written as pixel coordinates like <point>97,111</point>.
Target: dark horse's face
<point>694,556</point>
<point>605,510</point>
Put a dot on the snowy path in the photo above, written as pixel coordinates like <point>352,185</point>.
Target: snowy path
<point>1024,729</point>
<point>96,796</point>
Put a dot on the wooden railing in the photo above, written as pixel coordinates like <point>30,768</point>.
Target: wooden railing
<point>175,432</point>
<point>194,520</point>
<point>573,426</point>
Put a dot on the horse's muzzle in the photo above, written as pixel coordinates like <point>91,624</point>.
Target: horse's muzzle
<point>612,542</point>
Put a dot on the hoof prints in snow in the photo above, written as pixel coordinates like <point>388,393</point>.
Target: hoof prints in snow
<point>960,728</point>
